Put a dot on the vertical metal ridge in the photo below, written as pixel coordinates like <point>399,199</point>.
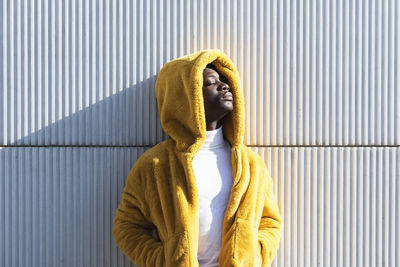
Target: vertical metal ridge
<point>51,56</point>
<point>321,206</point>
<point>397,71</point>
<point>18,73</point>
<point>114,89</point>
<point>3,108</point>
<point>152,70</point>
<point>312,108</point>
<point>5,74</point>
<point>86,72</point>
<point>12,90</point>
<point>365,73</point>
<point>352,68</point>
<point>391,68</point>
<point>397,216</point>
<point>371,73</point>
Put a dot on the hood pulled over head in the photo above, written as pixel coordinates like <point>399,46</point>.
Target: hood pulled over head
<point>180,100</point>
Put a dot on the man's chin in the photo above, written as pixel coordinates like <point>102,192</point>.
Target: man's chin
<point>227,106</point>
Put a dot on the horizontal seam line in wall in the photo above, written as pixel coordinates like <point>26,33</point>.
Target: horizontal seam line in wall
<point>5,146</point>
<point>267,146</point>
<point>262,146</point>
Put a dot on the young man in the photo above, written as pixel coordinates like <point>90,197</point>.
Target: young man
<point>208,198</point>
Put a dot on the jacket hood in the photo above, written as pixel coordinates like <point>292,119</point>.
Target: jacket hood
<point>180,100</point>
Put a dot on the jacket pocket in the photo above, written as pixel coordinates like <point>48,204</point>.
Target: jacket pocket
<point>176,250</point>
<point>246,249</point>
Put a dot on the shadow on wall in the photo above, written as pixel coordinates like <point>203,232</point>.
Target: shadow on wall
<point>58,197</point>
<point>127,118</point>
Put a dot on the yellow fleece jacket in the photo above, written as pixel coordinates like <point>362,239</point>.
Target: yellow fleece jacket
<point>156,223</point>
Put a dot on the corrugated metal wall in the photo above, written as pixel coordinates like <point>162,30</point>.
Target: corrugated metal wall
<point>322,90</point>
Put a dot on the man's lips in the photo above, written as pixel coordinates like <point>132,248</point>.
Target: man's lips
<point>227,96</point>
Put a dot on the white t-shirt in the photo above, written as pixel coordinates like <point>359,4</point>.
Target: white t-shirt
<point>213,171</point>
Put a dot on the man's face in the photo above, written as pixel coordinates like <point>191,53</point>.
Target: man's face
<point>218,100</point>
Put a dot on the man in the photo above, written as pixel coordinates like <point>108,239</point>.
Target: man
<point>208,197</point>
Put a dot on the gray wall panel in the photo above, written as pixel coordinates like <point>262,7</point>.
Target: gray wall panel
<point>57,205</point>
<point>340,206</point>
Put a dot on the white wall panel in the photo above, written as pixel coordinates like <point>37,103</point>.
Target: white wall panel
<point>314,72</point>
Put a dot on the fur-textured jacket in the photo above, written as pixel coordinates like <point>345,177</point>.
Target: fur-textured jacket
<point>156,223</point>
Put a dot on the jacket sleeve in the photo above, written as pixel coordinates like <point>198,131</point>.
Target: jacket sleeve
<point>269,233</point>
<point>132,230</point>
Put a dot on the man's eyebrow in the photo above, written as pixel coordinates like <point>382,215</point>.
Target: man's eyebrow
<point>213,75</point>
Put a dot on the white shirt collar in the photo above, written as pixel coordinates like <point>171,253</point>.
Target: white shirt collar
<point>214,138</point>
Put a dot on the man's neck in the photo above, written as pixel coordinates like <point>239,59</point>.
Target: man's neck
<point>210,126</point>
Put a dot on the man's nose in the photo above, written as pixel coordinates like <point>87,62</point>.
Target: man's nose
<point>224,86</point>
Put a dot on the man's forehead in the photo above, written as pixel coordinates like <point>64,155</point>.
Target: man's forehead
<point>210,72</point>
